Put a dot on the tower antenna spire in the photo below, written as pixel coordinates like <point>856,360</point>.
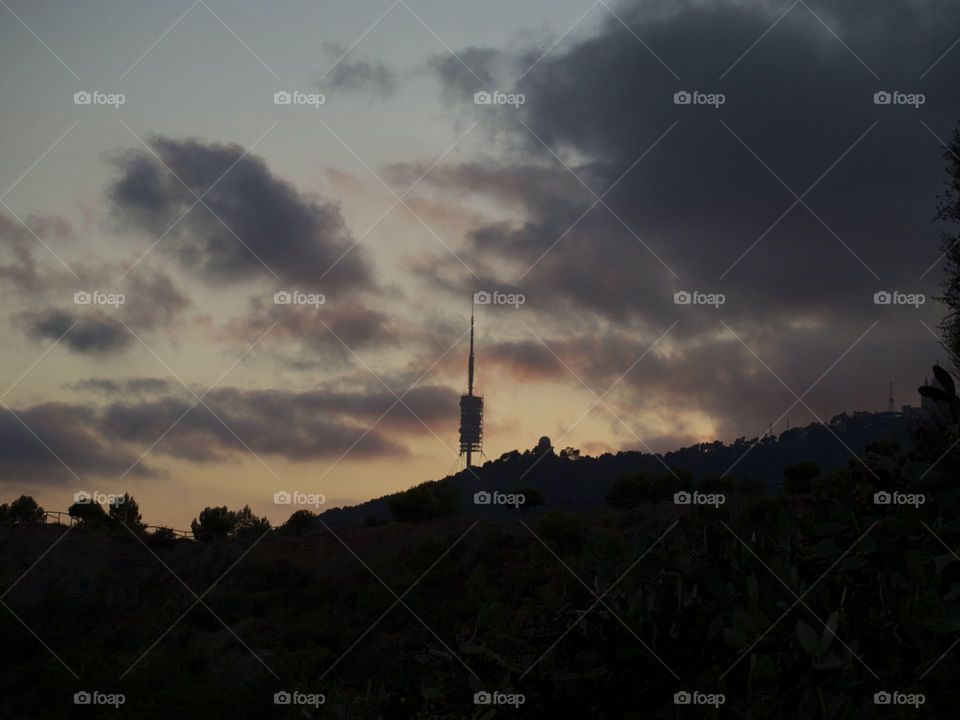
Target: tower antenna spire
<point>470,361</point>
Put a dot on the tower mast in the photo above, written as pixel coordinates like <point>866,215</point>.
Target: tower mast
<point>471,411</point>
<point>470,361</point>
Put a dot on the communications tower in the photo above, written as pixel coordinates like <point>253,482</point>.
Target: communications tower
<point>471,412</point>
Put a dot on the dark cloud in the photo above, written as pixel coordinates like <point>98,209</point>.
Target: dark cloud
<point>151,302</point>
<point>254,225</point>
<point>60,443</point>
<point>19,269</point>
<point>358,75</point>
<point>299,426</point>
<point>680,209</point>
<point>94,333</point>
<point>362,422</point>
<point>325,328</point>
<point>131,386</point>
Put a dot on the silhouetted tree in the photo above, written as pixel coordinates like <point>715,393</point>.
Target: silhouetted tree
<point>799,478</point>
<point>302,521</point>
<point>249,524</point>
<point>531,498</point>
<point>126,511</point>
<point>88,514</point>
<point>628,492</point>
<point>424,502</point>
<point>214,523</point>
<point>948,211</point>
<point>217,523</point>
<point>25,510</point>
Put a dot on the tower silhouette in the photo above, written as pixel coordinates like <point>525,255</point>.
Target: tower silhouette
<point>471,412</point>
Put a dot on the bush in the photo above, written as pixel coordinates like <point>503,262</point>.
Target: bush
<point>718,484</point>
<point>219,523</point>
<point>562,533</point>
<point>25,510</point>
<point>799,478</point>
<point>88,514</point>
<point>531,498</point>
<point>302,521</point>
<point>126,511</point>
<point>628,492</point>
<point>424,502</point>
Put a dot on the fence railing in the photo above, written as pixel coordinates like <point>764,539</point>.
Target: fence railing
<point>63,518</point>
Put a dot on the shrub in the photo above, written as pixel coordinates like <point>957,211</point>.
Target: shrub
<point>88,514</point>
<point>126,511</point>
<point>424,502</point>
<point>218,523</point>
<point>799,478</point>
<point>25,510</point>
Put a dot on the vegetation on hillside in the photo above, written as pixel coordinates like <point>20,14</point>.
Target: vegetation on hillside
<point>797,605</point>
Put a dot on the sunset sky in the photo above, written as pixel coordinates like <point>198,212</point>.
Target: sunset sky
<point>796,196</point>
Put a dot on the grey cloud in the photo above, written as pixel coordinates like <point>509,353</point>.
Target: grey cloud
<point>358,75</point>
<point>105,440</point>
<point>94,333</point>
<point>57,443</point>
<point>130,386</point>
<point>700,199</point>
<point>282,231</point>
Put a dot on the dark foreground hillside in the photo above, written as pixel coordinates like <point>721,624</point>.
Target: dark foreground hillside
<point>805,605</point>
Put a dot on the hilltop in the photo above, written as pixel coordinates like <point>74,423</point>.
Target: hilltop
<point>568,479</point>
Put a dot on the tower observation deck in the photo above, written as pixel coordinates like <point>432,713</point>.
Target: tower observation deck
<point>471,412</point>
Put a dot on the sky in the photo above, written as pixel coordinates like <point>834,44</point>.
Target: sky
<point>587,166</point>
